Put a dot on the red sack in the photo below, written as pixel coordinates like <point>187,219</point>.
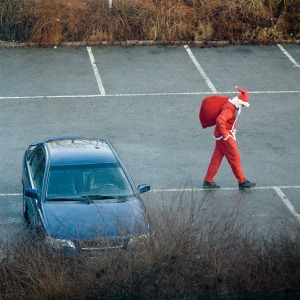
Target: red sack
<point>210,109</point>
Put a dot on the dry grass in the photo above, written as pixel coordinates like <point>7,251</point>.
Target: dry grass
<point>195,250</point>
<point>51,22</point>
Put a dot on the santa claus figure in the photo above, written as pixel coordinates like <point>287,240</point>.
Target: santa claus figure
<point>226,142</point>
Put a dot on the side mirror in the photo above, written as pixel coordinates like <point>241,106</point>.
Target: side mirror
<point>31,193</point>
<point>143,188</point>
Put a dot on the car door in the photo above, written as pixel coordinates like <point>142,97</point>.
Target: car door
<point>37,165</point>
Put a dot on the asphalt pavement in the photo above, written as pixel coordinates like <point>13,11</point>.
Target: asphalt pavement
<point>146,100</point>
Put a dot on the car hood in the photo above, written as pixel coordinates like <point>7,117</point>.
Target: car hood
<point>88,221</point>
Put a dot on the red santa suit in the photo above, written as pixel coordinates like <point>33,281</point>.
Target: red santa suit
<point>225,138</point>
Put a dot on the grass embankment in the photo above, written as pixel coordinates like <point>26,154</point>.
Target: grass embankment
<point>52,22</point>
<point>195,250</point>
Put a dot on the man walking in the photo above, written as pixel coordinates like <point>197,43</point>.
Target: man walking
<point>226,143</point>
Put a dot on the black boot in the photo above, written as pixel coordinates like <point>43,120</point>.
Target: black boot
<point>246,185</point>
<point>210,185</point>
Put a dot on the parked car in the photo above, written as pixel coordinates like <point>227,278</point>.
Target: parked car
<point>78,195</point>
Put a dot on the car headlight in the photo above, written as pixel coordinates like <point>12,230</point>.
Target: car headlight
<point>58,244</point>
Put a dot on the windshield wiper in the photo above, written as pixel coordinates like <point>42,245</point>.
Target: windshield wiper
<point>105,197</point>
<point>68,199</point>
<point>98,197</point>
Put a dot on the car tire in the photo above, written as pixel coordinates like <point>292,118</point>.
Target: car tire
<point>25,209</point>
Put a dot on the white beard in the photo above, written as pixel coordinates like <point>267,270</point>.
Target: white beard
<point>236,102</point>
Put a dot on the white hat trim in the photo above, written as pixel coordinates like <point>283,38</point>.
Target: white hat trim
<point>238,102</point>
<point>247,104</point>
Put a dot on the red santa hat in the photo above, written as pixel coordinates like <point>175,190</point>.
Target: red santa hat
<point>242,97</point>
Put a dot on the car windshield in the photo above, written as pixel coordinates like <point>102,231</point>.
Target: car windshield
<point>83,182</point>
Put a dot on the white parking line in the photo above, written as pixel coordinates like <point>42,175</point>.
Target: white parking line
<point>201,189</point>
<point>199,68</point>
<point>97,75</point>
<point>278,190</point>
<point>196,189</point>
<point>9,222</point>
<point>289,56</point>
<point>287,202</point>
<point>141,95</point>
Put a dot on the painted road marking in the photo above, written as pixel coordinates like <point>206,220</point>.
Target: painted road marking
<point>15,221</point>
<point>278,190</point>
<point>199,68</point>
<point>226,189</point>
<point>287,202</point>
<point>95,69</point>
<point>289,56</point>
<point>141,95</point>
<point>196,189</point>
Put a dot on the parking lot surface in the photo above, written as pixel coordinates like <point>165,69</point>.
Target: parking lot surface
<point>146,101</point>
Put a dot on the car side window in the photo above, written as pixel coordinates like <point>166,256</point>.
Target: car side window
<point>39,174</point>
<point>35,159</point>
<point>38,163</point>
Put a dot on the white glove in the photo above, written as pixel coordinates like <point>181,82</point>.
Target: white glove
<point>231,134</point>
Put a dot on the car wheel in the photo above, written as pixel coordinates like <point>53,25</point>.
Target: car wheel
<point>25,208</point>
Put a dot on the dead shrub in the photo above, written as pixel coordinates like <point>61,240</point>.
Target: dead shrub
<point>238,20</point>
<point>173,21</point>
<point>196,248</point>
<point>52,22</point>
<point>63,20</point>
<point>288,19</point>
<point>16,19</point>
<point>131,19</point>
<point>29,272</point>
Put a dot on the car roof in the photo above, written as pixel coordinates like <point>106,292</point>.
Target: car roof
<point>79,150</point>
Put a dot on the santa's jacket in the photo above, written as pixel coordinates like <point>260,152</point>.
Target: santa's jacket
<point>225,122</point>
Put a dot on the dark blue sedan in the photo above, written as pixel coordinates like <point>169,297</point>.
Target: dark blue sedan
<point>78,195</point>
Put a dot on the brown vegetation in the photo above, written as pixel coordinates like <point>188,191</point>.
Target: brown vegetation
<point>195,250</point>
<point>50,22</point>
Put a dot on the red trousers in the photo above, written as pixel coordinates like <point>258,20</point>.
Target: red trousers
<point>228,149</point>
